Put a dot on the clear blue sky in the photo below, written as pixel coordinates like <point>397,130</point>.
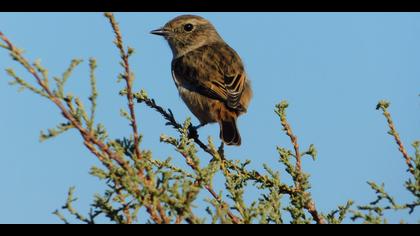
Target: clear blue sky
<point>331,67</point>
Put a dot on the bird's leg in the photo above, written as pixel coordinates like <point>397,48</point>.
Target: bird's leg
<point>221,150</point>
<point>199,126</point>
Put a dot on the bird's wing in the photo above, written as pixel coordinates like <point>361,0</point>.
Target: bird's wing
<point>234,85</point>
<point>215,71</point>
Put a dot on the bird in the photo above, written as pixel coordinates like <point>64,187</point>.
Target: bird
<point>208,73</point>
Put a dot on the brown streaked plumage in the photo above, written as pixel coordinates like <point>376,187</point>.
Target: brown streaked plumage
<point>208,73</point>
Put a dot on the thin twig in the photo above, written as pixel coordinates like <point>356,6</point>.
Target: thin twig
<point>89,139</point>
<point>129,79</point>
<point>126,207</point>
<point>163,216</point>
<point>295,143</point>
<point>383,105</point>
<point>168,115</point>
<point>309,204</point>
<point>87,136</point>
<point>234,219</point>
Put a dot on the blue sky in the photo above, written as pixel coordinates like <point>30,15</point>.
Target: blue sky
<point>331,67</point>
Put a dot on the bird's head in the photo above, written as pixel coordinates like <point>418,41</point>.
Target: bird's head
<point>188,32</point>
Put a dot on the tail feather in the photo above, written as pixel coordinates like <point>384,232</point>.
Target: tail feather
<point>229,132</point>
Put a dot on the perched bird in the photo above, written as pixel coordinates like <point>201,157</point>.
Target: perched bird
<point>208,73</point>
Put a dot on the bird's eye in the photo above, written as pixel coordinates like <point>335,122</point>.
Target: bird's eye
<point>188,27</point>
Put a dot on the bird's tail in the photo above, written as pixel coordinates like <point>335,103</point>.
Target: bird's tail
<point>229,132</point>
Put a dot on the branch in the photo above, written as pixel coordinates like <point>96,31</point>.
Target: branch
<point>87,136</point>
<point>383,105</point>
<point>89,139</point>
<point>169,116</point>
<point>129,79</point>
<point>192,133</point>
<point>309,204</point>
<point>234,219</point>
<point>281,111</point>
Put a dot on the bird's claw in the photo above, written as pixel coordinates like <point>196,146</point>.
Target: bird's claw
<point>192,131</point>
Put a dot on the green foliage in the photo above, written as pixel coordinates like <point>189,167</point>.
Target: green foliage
<point>143,189</point>
<point>374,212</point>
<point>54,132</point>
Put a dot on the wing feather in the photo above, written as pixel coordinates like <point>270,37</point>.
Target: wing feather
<point>218,75</point>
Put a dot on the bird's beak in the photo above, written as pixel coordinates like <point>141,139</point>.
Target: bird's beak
<point>161,32</point>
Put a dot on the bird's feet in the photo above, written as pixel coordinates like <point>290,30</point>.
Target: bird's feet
<point>193,134</point>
